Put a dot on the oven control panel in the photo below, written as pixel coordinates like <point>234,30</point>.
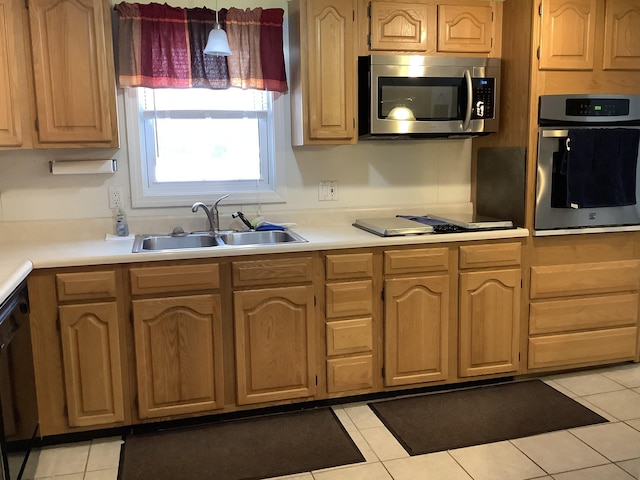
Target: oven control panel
<point>596,107</point>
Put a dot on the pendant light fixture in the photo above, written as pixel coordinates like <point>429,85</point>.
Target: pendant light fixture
<point>217,43</point>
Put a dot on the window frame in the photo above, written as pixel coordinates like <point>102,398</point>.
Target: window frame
<point>144,195</point>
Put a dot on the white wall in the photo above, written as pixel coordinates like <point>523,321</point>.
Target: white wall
<point>371,174</point>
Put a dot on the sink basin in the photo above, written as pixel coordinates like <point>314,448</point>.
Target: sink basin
<point>155,242</point>
<point>172,242</point>
<point>265,237</point>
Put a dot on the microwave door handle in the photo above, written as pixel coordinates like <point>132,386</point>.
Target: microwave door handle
<point>467,115</point>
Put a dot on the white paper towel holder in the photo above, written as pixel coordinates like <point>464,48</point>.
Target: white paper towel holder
<point>82,167</point>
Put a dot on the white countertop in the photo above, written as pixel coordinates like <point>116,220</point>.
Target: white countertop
<point>18,259</point>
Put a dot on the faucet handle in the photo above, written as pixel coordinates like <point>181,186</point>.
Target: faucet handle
<point>215,204</point>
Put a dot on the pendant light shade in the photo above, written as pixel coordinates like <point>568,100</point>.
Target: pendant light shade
<point>217,43</point>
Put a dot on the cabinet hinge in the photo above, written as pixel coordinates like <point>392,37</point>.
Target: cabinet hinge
<point>540,9</point>
<point>26,4</point>
<point>369,9</point>
<point>316,380</point>
<point>369,40</point>
<point>315,302</point>
<point>538,53</point>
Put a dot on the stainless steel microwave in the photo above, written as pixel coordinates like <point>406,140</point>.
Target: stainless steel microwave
<point>426,96</point>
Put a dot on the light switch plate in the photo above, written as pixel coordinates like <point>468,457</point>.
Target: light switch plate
<point>328,190</point>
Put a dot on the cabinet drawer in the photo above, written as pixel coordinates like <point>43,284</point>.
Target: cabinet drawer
<point>349,336</point>
<point>583,348</point>
<point>349,298</point>
<point>174,278</point>
<point>417,260</point>
<point>584,278</point>
<point>272,272</point>
<point>86,285</point>
<point>583,314</point>
<point>350,373</point>
<point>495,255</point>
<point>352,265</point>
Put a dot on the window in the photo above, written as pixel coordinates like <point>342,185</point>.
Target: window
<point>197,144</point>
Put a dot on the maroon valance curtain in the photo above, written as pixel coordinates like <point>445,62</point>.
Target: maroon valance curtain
<point>161,46</point>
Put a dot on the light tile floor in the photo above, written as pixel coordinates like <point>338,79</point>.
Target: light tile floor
<point>609,451</point>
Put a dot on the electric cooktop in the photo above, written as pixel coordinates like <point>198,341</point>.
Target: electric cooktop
<point>415,225</point>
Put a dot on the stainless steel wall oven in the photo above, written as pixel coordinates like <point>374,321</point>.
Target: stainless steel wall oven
<point>587,159</point>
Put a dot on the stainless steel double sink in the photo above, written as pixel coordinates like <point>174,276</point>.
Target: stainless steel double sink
<point>156,242</point>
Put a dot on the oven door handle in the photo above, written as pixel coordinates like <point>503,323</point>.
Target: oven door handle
<point>555,133</point>
<point>467,115</point>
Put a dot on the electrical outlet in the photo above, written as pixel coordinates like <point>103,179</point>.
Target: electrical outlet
<point>328,190</point>
<point>115,197</point>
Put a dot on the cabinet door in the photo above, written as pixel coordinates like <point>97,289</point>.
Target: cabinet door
<point>567,35</point>
<point>465,28</point>
<point>416,329</point>
<point>489,322</point>
<point>331,65</point>
<point>398,26</point>
<point>178,345</point>
<point>274,331</point>
<point>13,95</point>
<point>622,35</point>
<point>92,367</point>
<point>73,72</point>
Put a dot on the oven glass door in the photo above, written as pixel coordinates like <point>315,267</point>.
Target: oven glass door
<point>552,209</point>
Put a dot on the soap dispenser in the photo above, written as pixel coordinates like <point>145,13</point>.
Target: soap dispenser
<point>122,227</point>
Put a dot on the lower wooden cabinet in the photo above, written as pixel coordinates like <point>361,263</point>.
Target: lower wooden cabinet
<point>79,349</point>
<point>178,346</point>
<point>275,344</point>
<point>583,348</point>
<point>416,320</point>
<point>583,313</point>
<point>92,368</point>
<point>489,322</point>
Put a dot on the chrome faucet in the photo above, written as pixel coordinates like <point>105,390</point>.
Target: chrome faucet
<point>212,213</point>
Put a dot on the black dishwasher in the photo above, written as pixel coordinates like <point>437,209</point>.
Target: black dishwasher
<point>18,406</point>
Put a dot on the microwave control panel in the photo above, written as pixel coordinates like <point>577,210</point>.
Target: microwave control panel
<point>483,97</point>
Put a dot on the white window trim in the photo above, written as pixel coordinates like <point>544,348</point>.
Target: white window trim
<point>141,197</point>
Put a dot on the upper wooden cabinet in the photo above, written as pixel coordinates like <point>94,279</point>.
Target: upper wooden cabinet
<point>466,28</point>
<point>14,105</point>
<point>73,72</point>
<point>573,33</point>
<point>61,91</point>
<point>323,66</point>
<point>446,27</point>
<point>567,34</point>
<point>622,35</point>
<point>399,26</point>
